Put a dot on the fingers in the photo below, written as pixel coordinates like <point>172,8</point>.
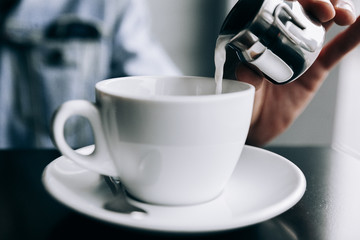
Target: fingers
<point>345,12</point>
<point>342,12</point>
<point>323,10</point>
<point>343,43</point>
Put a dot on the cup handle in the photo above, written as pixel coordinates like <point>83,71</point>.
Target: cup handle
<point>99,160</point>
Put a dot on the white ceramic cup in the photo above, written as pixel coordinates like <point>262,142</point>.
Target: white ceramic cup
<point>171,140</point>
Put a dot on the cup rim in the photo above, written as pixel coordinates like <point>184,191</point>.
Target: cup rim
<point>249,89</point>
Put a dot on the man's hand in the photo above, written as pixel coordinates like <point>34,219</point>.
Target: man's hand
<point>277,106</point>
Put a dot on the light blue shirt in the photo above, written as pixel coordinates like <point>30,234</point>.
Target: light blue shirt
<point>54,52</point>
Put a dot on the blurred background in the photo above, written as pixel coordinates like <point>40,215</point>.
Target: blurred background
<point>188,30</point>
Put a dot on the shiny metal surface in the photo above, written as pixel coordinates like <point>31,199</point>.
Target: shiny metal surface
<point>329,210</point>
<point>273,36</point>
<point>119,202</point>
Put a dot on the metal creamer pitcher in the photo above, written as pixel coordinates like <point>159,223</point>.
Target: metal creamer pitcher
<point>275,37</point>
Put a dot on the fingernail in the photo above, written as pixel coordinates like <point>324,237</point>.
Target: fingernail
<point>345,5</point>
<point>323,10</point>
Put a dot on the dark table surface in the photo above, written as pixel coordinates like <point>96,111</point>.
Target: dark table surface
<point>330,208</point>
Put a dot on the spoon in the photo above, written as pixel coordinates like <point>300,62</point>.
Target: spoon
<point>119,202</point>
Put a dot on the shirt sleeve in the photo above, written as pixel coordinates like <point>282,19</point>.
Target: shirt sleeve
<point>135,52</point>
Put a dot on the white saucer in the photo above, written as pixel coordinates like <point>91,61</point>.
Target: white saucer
<point>263,186</point>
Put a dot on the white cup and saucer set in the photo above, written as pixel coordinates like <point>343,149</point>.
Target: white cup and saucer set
<point>179,150</point>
